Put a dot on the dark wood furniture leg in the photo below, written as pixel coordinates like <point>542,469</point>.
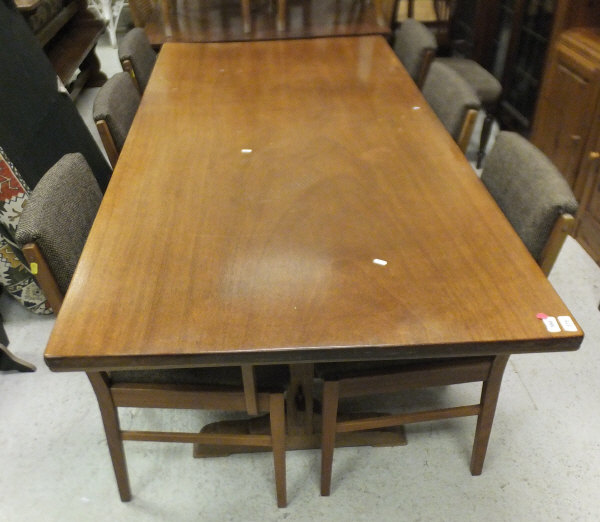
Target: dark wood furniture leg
<point>330,406</point>
<point>486,130</point>
<point>9,361</point>
<point>489,398</point>
<point>110,419</point>
<point>277,419</point>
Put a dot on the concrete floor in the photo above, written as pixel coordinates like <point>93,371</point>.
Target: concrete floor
<point>543,462</point>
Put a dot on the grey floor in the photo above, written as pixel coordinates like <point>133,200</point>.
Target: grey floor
<point>543,462</point>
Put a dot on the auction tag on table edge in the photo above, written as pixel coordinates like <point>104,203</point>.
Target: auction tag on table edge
<point>551,324</point>
<point>567,323</point>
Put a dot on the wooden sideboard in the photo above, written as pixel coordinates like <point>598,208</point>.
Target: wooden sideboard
<point>69,39</point>
<point>567,124</point>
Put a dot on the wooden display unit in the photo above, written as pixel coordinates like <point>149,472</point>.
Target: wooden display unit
<point>567,119</point>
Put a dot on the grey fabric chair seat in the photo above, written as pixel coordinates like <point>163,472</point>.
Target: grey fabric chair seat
<point>484,83</point>
<point>268,378</point>
<point>137,56</point>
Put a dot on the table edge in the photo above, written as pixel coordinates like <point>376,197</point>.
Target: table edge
<point>313,355</point>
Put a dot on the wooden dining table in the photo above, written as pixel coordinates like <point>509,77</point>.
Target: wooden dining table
<point>296,201</point>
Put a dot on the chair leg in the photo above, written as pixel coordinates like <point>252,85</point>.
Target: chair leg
<point>486,130</point>
<point>329,416</point>
<point>281,15</point>
<point>9,361</point>
<point>489,398</point>
<point>246,16</point>
<point>110,419</point>
<point>277,418</point>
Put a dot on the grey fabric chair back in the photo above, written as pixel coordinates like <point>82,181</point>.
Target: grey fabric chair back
<point>450,96</point>
<point>59,214</point>
<point>116,103</point>
<point>528,188</point>
<point>413,40</point>
<point>136,48</point>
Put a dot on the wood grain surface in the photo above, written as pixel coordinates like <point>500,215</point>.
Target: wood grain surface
<point>257,185</point>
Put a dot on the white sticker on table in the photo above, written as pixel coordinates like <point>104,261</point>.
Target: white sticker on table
<point>551,324</point>
<point>567,323</point>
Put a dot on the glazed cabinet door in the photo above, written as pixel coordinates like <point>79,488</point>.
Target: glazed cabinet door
<point>565,112</point>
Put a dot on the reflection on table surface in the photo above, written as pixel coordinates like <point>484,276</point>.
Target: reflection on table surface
<point>222,20</point>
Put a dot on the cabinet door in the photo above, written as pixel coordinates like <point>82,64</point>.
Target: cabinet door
<point>587,230</point>
<point>565,111</point>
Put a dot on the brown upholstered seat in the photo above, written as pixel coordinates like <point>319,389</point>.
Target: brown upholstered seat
<point>114,109</point>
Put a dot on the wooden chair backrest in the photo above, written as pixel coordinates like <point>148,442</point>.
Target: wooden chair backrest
<point>108,142</point>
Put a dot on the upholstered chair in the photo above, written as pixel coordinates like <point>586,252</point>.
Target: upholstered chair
<point>540,205</point>
<point>53,230</point>
<point>114,109</point>
<point>415,46</point>
<point>488,90</point>
<point>137,57</point>
<point>453,100</point>
<point>532,194</point>
<point>55,223</point>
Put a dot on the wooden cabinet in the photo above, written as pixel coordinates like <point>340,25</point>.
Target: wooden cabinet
<point>567,124</point>
<point>567,102</point>
<point>587,228</point>
<point>68,32</point>
<point>510,39</point>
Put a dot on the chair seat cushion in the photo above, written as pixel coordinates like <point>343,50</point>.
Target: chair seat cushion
<point>484,83</point>
<point>268,378</point>
<point>349,370</point>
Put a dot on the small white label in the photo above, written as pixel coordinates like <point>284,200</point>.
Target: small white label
<point>567,323</point>
<point>380,262</point>
<point>551,324</point>
<point>246,151</point>
<point>416,108</point>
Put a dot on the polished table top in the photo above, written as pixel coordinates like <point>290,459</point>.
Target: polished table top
<point>257,186</point>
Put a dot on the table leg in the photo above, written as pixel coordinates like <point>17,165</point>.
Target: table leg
<point>489,398</point>
<point>246,21</point>
<point>303,425</point>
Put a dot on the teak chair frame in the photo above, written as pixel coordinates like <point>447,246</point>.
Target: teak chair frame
<point>435,373</point>
<point>563,226</point>
<point>428,57</point>
<point>111,396</point>
<point>108,141</point>
<point>467,130</point>
<point>488,370</point>
<point>128,68</point>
